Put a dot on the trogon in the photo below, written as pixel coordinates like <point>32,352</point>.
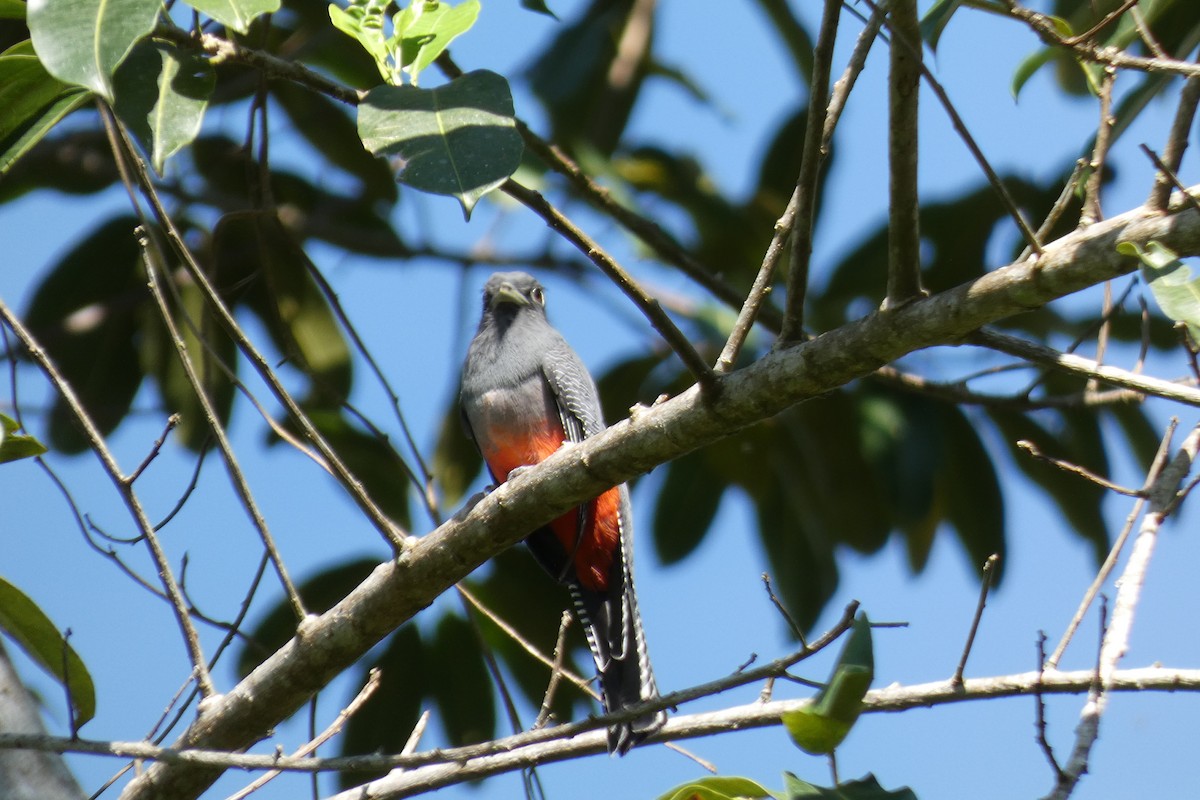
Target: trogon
<point>524,393</point>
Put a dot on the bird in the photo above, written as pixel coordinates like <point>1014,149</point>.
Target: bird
<point>524,394</point>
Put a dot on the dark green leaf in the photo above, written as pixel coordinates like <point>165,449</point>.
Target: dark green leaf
<point>84,42</point>
<point>972,496</point>
<point>76,163</point>
<point>1141,434</point>
<point>383,723</point>
<point>936,19</point>
<point>456,460</point>
<point>821,726</point>
<point>15,446</point>
<point>33,631</point>
<point>1079,500</point>
<point>864,789</point>
<point>86,314</point>
<point>716,787</point>
<point>686,506</point>
<point>236,14</point>
<point>459,139</point>
<point>253,250</point>
<point>331,131</point>
<point>319,594</point>
<point>538,6</point>
<point>12,9</point>
<point>460,682</point>
<point>520,592</point>
<point>161,95</point>
<point>372,460</point>
<point>198,327</point>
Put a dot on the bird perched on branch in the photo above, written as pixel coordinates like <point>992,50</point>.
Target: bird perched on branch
<point>524,394</point>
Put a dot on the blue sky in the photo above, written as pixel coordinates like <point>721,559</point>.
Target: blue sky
<point>705,616</point>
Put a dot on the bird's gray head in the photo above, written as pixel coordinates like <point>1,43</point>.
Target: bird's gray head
<point>508,295</point>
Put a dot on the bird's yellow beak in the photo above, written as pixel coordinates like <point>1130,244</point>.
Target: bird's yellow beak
<point>507,293</point>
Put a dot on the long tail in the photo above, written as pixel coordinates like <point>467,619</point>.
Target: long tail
<point>613,626</point>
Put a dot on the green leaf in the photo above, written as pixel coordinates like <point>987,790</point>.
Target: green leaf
<point>160,359</point>
<point>15,446</point>
<point>33,102</point>
<point>33,631</point>
<point>456,460</point>
<point>716,787</point>
<point>1029,67</point>
<point>384,722</point>
<point>459,139</point>
<point>936,19</point>
<point>254,249</point>
<point>12,9</point>
<point>822,725</point>
<point>363,22</point>
<point>425,29</point>
<point>236,14</point>
<point>1171,282</point>
<point>319,594</point>
<point>161,95</point>
<point>970,490</point>
<point>86,314</point>
<point>83,42</point>
<point>864,789</point>
<point>460,683</point>
<point>538,6</point>
<point>686,506</point>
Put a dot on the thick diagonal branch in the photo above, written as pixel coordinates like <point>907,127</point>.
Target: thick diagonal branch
<point>399,589</point>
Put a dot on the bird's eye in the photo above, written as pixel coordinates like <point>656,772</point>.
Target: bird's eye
<point>538,296</point>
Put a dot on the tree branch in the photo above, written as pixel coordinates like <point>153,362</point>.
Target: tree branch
<point>399,589</point>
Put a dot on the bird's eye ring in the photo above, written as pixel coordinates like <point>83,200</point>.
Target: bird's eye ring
<point>538,296</point>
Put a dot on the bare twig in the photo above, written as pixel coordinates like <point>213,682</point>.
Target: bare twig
<point>985,583</point>
<point>172,422</point>
<point>904,228</point>
<point>787,616</point>
<point>809,177</point>
<point>1091,198</point>
<point>1177,142</point>
<point>1040,708</point>
<point>364,694</point>
<point>556,671</point>
<point>124,489</point>
<point>153,259</point>
<point>1085,367</point>
<point>1077,469</point>
<point>1114,553</point>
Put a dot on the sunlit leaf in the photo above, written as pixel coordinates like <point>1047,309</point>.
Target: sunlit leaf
<point>12,9</point>
<point>822,725</point>
<point>717,787</point>
<point>1170,279</point>
<point>161,95</point>
<point>459,139</point>
<point>33,631</point>
<point>33,102</point>
<point>15,446</point>
<point>425,30</point>
<point>86,314</point>
<point>236,14</point>
<point>84,42</point>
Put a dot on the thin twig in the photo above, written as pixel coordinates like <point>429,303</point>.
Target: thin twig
<point>1091,196</point>
<point>985,583</point>
<point>904,227</point>
<point>1114,552</point>
<point>1077,469</point>
<point>787,615</point>
<point>364,694</point>
<point>153,259</point>
<point>1040,708</point>
<point>560,647</point>
<point>648,305</point>
<point>172,422</point>
<point>1177,142</point>
<point>809,178</point>
<point>81,415</point>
